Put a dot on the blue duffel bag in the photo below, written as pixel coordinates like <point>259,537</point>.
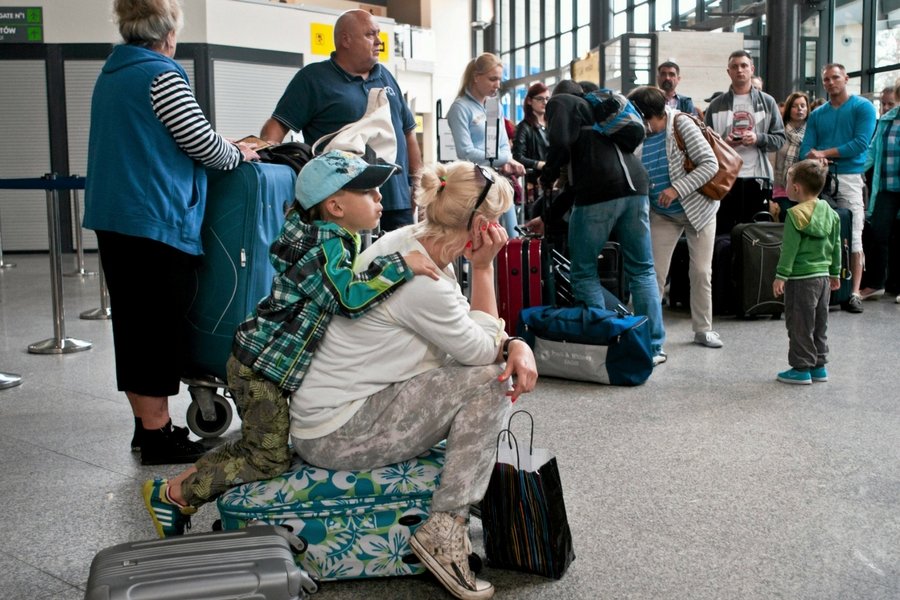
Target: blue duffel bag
<point>588,344</point>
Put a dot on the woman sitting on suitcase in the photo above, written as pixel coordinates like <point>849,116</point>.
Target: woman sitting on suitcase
<point>676,205</point>
<point>424,366</point>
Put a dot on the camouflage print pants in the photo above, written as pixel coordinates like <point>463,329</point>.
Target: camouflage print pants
<point>467,406</point>
<point>261,452</point>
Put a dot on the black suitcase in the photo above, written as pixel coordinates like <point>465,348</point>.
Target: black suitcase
<point>756,248</point>
<point>679,275</point>
<point>722,280</point>
<point>254,562</point>
<point>722,284</point>
<point>610,269</point>
<point>842,294</point>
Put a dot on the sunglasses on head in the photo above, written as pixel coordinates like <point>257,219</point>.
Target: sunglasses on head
<point>488,182</point>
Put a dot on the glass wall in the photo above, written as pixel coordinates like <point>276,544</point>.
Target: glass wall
<point>538,39</point>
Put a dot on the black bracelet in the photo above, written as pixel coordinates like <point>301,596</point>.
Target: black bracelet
<point>506,345</point>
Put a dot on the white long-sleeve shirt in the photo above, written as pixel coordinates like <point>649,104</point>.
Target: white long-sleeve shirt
<point>412,332</point>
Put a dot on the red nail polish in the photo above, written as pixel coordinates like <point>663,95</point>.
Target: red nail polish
<point>469,244</point>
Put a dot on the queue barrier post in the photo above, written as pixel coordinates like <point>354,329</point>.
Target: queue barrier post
<point>8,380</point>
<point>104,311</point>
<point>79,240</point>
<point>51,184</point>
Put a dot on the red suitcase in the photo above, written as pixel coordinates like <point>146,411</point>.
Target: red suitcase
<point>520,279</point>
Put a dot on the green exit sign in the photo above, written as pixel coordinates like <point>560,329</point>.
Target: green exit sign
<point>21,24</point>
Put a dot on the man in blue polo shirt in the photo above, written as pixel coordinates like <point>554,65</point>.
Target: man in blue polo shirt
<point>324,96</point>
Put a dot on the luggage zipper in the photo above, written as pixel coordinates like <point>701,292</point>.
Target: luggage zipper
<point>243,258</point>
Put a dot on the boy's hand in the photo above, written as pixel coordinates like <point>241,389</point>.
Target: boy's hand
<point>778,287</point>
<point>422,265</point>
<point>835,283</point>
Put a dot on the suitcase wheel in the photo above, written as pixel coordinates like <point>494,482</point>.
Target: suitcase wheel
<point>209,414</point>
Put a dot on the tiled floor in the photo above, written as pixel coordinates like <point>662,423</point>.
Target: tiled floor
<point>711,481</point>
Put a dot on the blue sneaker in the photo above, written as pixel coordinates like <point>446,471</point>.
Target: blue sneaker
<point>795,377</point>
<point>819,374</point>
<point>169,519</point>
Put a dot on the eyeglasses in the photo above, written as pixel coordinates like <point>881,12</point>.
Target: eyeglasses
<point>541,99</point>
<point>488,182</point>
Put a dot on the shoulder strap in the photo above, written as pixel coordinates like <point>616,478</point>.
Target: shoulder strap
<point>679,141</point>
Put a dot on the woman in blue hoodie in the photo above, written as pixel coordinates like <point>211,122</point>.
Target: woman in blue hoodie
<point>145,195</point>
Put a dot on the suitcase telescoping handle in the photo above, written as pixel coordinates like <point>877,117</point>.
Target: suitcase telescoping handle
<point>763,216</point>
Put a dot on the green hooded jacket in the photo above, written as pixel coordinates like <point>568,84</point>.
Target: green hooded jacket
<point>812,246</point>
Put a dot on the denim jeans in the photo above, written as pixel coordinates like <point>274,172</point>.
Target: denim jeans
<point>589,229</point>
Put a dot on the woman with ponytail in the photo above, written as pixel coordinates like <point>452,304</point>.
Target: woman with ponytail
<point>424,366</point>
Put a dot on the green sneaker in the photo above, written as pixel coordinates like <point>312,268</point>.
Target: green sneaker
<point>795,377</point>
<point>818,374</point>
<point>169,519</point>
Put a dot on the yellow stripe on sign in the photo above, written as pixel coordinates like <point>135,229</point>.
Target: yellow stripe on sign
<point>321,39</point>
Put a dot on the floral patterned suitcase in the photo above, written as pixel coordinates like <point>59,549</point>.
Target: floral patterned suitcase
<point>357,523</point>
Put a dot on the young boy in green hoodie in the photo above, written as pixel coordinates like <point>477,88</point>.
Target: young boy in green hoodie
<point>807,272</point>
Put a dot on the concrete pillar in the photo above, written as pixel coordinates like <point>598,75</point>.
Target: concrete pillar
<point>783,69</point>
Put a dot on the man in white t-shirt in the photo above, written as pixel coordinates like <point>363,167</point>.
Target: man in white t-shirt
<point>749,120</point>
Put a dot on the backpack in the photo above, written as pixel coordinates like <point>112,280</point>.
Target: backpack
<point>729,160</point>
<point>292,154</point>
<point>616,118</point>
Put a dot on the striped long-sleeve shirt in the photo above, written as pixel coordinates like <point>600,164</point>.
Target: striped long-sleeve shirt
<point>699,209</point>
<point>177,109</point>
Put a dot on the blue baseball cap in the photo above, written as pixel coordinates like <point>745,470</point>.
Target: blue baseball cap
<point>337,170</point>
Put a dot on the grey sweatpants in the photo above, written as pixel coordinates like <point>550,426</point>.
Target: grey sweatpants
<point>467,406</point>
<point>806,319</point>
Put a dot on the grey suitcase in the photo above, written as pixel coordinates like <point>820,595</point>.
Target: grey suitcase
<point>252,563</point>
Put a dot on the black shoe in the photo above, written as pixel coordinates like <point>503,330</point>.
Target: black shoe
<point>138,435</point>
<point>853,305</point>
<point>169,446</point>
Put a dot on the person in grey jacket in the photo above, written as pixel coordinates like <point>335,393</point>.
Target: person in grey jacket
<point>676,204</point>
<point>749,120</point>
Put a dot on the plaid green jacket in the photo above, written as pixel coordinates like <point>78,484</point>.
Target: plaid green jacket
<point>314,279</point>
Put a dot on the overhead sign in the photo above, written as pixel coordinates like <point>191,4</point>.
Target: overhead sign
<point>321,41</point>
<point>20,24</point>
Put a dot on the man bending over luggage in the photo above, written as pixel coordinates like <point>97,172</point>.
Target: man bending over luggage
<point>338,196</point>
<point>808,272</point>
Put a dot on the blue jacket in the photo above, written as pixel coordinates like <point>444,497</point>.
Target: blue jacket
<point>139,182</point>
<point>875,156</point>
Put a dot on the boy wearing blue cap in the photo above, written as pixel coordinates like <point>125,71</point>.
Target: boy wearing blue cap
<point>337,196</point>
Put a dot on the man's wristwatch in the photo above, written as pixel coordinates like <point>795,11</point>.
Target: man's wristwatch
<point>506,345</point>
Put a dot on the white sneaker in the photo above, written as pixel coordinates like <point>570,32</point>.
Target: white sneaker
<point>710,339</point>
<point>442,544</point>
<point>660,358</point>
<point>897,299</point>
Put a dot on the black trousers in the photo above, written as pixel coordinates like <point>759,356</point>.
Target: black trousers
<point>747,197</point>
<point>881,227</point>
<point>150,287</point>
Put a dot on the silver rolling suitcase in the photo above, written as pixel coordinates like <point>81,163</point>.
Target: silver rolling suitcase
<point>252,563</point>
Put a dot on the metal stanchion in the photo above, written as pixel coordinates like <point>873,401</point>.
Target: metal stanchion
<point>79,242</point>
<point>104,311</point>
<point>59,343</point>
<point>8,380</point>
<point>4,265</point>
